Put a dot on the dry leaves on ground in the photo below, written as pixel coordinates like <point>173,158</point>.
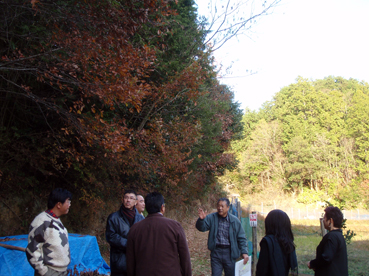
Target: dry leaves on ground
<point>197,243</point>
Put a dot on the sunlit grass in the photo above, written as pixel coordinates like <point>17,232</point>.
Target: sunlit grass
<point>308,236</point>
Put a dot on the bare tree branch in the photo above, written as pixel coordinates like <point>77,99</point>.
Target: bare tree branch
<point>230,18</point>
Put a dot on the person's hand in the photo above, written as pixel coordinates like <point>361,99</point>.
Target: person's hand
<point>202,214</point>
<point>245,258</point>
<point>308,264</point>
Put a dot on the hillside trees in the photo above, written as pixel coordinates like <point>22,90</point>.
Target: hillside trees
<point>322,141</point>
<point>103,95</point>
<point>262,157</point>
<point>358,119</point>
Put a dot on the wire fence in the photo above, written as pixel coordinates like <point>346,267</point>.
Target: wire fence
<point>307,212</point>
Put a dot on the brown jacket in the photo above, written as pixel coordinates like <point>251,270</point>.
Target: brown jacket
<point>157,246</point>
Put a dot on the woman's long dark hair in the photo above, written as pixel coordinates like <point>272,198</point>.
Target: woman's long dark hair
<point>278,223</point>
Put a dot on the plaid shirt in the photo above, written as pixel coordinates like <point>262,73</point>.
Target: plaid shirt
<point>223,231</point>
<point>51,213</point>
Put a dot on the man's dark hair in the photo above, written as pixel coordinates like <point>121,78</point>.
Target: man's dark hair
<point>336,214</point>
<point>224,199</point>
<point>278,223</point>
<point>129,192</point>
<point>153,202</point>
<point>58,195</point>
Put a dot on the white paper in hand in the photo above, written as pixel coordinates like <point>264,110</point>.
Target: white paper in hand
<point>243,270</point>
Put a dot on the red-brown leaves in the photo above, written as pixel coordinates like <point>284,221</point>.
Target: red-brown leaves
<point>110,110</point>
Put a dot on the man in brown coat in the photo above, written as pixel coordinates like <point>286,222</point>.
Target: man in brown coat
<point>157,245</point>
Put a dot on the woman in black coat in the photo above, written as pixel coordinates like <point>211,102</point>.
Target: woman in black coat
<point>331,253</point>
<point>277,250</point>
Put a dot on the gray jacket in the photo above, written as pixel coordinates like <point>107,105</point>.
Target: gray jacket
<point>237,235</point>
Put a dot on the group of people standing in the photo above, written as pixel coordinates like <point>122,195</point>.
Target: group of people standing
<point>140,246</point>
<point>277,249</point>
<point>157,245</point>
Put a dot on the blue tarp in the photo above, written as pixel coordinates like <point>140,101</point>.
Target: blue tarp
<point>84,251</point>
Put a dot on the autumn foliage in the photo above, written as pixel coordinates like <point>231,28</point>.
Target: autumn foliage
<point>89,102</point>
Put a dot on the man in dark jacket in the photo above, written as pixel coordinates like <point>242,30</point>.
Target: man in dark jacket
<point>226,241</point>
<point>117,228</point>
<point>157,245</point>
<point>331,253</point>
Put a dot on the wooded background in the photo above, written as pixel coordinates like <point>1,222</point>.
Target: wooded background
<point>101,96</point>
<point>311,141</point>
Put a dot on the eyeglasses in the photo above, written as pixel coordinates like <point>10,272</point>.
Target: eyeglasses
<point>129,197</point>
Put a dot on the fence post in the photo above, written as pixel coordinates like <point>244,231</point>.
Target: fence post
<point>262,208</point>
<point>239,210</point>
<point>253,224</point>
<point>236,204</point>
<point>307,212</point>
<point>323,230</point>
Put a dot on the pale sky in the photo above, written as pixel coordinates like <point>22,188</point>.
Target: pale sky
<point>309,38</point>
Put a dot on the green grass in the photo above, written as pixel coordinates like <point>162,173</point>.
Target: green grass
<point>305,250</point>
<point>307,238</point>
<point>200,266</point>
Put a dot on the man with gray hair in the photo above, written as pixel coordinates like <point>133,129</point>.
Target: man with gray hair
<point>226,241</point>
<point>140,204</point>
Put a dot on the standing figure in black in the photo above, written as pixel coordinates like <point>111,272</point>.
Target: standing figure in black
<point>277,249</point>
<point>117,228</point>
<point>331,253</point>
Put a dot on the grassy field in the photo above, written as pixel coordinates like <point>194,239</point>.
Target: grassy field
<point>308,236</point>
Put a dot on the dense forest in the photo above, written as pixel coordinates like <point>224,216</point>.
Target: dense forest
<point>101,96</point>
<point>311,141</point>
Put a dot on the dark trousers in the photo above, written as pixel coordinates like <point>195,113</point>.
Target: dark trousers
<point>221,259</point>
<point>118,274</point>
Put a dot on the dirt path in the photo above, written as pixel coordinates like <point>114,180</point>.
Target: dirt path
<point>197,243</point>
